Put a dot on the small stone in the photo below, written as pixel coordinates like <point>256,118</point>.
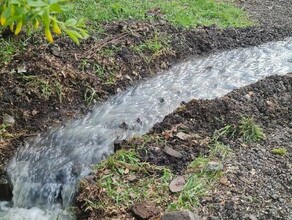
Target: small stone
<point>177,184</point>
<point>131,178</point>
<point>214,218</point>
<point>214,166</point>
<point>180,215</point>
<point>252,217</point>
<point>183,136</point>
<point>145,211</point>
<point>172,152</point>
<point>224,181</point>
<point>247,97</point>
<point>8,119</point>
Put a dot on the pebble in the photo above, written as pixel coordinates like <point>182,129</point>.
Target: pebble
<point>170,151</point>
<point>8,119</point>
<point>180,215</point>
<point>214,166</point>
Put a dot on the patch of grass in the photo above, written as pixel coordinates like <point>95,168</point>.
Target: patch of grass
<point>90,95</point>
<point>228,130</point>
<point>153,45</point>
<point>219,150</point>
<point>199,180</point>
<point>281,151</point>
<point>249,130</point>
<point>4,133</point>
<point>44,88</point>
<point>246,128</point>
<point>186,13</point>
<point>124,180</point>
<point>8,48</point>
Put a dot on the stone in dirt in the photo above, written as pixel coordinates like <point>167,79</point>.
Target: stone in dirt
<point>183,136</point>
<point>177,184</point>
<point>145,211</point>
<point>170,151</point>
<point>214,166</point>
<point>180,215</point>
<point>8,119</point>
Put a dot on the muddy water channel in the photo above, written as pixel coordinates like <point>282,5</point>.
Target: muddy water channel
<point>45,172</point>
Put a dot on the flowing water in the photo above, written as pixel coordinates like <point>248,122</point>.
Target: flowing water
<point>46,171</point>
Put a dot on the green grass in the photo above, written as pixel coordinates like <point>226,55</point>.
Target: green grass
<point>8,49</point>
<point>114,190</point>
<point>250,131</point>
<point>186,13</point>
<point>118,191</point>
<point>281,151</point>
<point>247,129</point>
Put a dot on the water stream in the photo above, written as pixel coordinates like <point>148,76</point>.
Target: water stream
<point>46,171</point>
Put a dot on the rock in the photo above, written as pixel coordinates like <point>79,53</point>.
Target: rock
<point>214,166</point>
<point>8,119</point>
<point>172,152</point>
<point>183,136</point>
<point>224,181</point>
<point>214,218</point>
<point>252,217</point>
<point>177,184</point>
<point>180,215</point>
<point>145,211</point>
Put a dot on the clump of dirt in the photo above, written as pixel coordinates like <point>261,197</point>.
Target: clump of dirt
<point>256,181</point>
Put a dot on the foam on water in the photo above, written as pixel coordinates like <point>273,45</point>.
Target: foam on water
<point>46,171</point>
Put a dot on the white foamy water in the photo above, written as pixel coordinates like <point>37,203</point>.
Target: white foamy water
<point>46,171</point>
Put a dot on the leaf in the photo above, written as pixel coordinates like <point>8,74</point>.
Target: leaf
<point>46,18</point>
<point>72,36</point>
<point>70,22</point>
<point>37,4</point>
<point>55,8</point>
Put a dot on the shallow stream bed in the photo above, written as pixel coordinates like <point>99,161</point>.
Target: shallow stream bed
<point>45,173</point>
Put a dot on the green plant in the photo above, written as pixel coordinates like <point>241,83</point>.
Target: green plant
<point>89,95</point>
<point>3,131</point>
<point>16,14</point>
<point>249,130</point>
<point>187,13</point>
<point>281,151</point>
<point>124,180</point>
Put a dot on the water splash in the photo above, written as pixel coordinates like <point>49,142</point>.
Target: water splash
<point>46,171</point>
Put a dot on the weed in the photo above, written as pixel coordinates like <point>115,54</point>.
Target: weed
<point>219,150</point>
<point>124,180</point>
<point>250,131</point>
<point>90,95</point>
<point>281,151</point>
<point>228,130</point>
<point>4,132</point>
<point>198,181</point>
<point>8,48</point>
<point>246,128</point>
<point>99,70</point>
<point>43,87</point>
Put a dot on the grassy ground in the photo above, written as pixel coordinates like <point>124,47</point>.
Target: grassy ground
<point>186,13</point>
